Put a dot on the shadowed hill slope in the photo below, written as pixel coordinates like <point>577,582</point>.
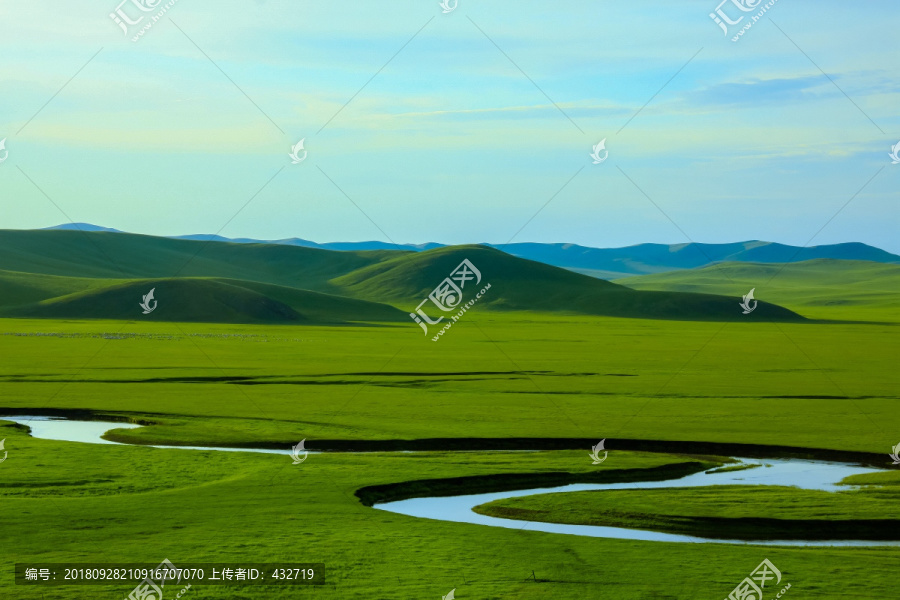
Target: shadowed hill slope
<point>208,300</point>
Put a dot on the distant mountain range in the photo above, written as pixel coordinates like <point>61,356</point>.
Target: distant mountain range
<point>643,259</point>
<point>604,263</point>
<point>62,273</point>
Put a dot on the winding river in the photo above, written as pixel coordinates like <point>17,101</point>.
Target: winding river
<point>804,474</point>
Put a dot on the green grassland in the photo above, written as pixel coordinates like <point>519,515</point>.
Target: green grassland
<point>724,512</point>
<point>511,369</point>
<point>77,502</point>
<point>809,385</point>
<point>498,375</point>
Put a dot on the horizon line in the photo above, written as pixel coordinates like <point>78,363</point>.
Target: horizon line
<point>103,229</point>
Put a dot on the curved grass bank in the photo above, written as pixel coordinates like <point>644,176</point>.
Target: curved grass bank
<point>457,486</point>
<point>720,512</point>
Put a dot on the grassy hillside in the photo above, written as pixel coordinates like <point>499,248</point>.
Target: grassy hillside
<point>815,287</point>
<point>127,256</point>
<point>268,276</point>
<point>206,300</point>
<point>518,284</point>
<point>24,288</point>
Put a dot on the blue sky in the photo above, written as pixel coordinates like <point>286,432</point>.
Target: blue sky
<point>452,141</point>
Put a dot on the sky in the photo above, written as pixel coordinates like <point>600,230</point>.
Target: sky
<point>474,125</point>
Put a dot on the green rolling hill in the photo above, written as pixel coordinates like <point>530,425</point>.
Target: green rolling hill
<point>809,285</point>
<point>130,256</point>
<point>24,288</point>
<point>519,284</point>
<point>78,274</point>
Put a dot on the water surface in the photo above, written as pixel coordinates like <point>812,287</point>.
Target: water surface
<point>804,474</point>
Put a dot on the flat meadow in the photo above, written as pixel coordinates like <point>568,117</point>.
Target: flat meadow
<point>494,376</point>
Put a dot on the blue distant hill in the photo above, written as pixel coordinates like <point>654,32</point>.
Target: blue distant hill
<point>83,227</point>
<point>612,263</point>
